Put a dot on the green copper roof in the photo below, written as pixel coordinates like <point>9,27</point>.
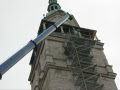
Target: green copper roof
<point>52,1</point>
<point>53,6</point>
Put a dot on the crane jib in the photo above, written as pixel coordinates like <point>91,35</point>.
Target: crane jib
<point>5,66</point>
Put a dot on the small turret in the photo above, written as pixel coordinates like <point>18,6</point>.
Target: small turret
<point>53,6</point>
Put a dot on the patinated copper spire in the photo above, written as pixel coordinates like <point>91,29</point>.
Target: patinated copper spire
<point>53,6</point>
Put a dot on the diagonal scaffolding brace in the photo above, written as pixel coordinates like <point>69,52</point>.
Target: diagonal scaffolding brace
<point>79,51</point>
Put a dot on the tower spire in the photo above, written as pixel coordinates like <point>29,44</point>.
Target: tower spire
<point>53,6</point>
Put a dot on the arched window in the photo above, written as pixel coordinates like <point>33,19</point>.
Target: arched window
<point>56,7</point>
<point>52,8</point>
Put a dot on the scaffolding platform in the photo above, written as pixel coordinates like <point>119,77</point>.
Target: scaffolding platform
<point>80,55</point>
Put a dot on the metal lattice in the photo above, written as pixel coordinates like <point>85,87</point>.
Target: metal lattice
<point>79,54</point>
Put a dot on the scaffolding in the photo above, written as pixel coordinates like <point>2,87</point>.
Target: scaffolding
<point>79,54</point>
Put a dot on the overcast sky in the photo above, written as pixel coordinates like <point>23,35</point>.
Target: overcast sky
<point>20,20</point>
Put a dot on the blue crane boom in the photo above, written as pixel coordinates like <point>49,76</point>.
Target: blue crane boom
<point>5,66</point>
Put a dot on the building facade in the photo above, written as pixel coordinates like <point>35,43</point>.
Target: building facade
<point>71,58</point>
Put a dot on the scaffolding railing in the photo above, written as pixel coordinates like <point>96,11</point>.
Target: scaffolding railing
<point>79,54</point>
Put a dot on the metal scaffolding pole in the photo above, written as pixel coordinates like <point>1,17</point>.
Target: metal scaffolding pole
<point>79,53</point>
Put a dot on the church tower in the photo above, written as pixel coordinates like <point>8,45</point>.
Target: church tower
<point>71,58</point>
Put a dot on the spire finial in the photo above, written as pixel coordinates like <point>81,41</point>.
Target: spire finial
<point>53,5</point>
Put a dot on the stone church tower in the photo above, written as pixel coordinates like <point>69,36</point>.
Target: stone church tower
<point>71,58</point>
